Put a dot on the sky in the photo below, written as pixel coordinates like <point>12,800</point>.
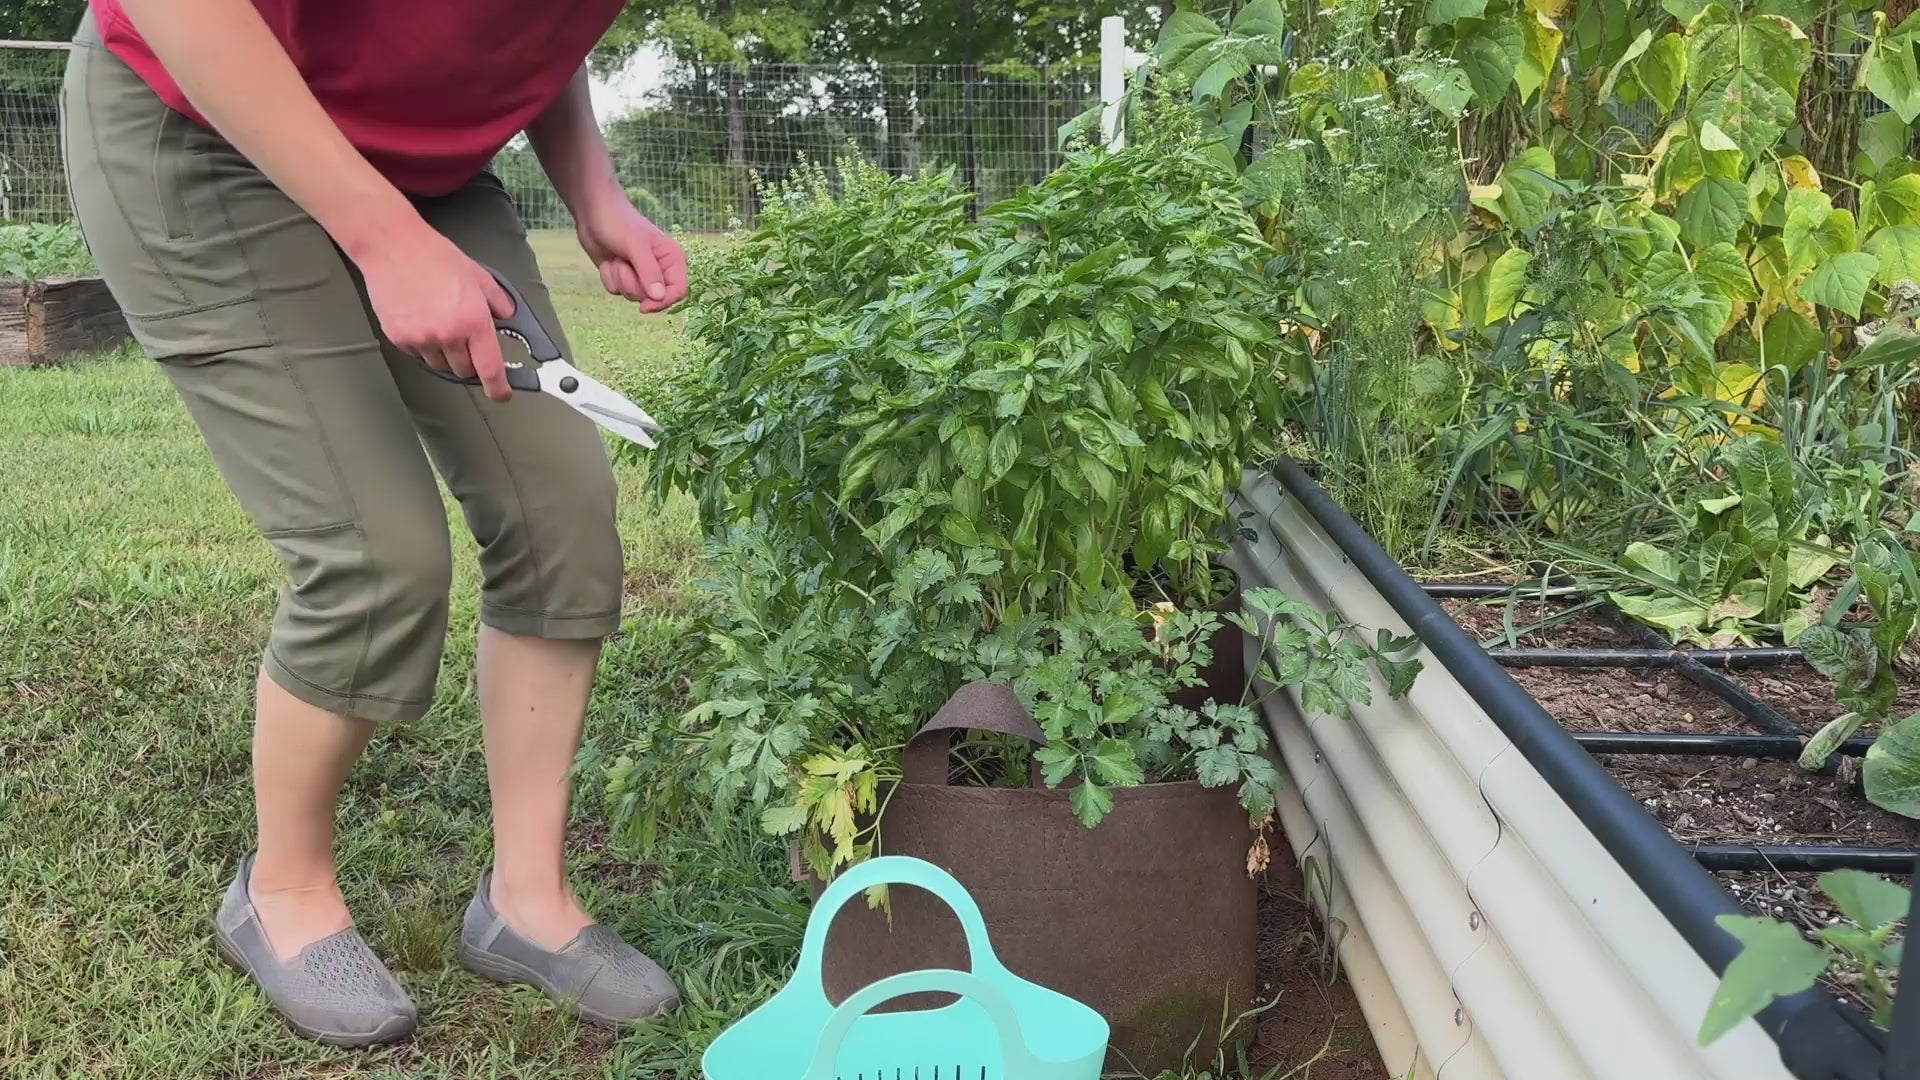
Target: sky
<point>617,94</point>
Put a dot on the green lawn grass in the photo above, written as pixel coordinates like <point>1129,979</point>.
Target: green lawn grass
<point>134,601</point>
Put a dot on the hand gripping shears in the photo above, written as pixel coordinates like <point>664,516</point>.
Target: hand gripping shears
<point>548,372</point>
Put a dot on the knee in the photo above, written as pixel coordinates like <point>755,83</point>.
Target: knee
<point>364,618</point>
<point>353,573</point>
<point>561,574</point>
<point>413,576</point>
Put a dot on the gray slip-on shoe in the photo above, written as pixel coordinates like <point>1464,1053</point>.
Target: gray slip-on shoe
<point>607,980</point>
<point>335,991</point>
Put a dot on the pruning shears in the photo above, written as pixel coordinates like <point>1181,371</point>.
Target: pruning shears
<point>548,372</point>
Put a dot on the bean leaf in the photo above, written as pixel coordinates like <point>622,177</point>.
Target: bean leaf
<point>1869,900</point>
<point>1776,962</point>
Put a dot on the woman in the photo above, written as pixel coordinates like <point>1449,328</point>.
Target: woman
<point>287,198</point>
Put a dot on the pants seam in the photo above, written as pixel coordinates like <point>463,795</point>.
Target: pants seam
<point>281,663</point>
<point>308,530</point>
<point>194,309</point>
<point>537,613</point>
<point>520,503</point>
<point>320,436</point>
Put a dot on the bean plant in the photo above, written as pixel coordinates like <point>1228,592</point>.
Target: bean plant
<point>1776,961</point>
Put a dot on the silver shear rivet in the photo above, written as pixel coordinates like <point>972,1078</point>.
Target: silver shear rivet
<point>1473,920</point>
<point>569,384</point>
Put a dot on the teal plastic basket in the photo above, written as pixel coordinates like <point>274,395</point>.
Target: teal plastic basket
<point>1001,1028</point>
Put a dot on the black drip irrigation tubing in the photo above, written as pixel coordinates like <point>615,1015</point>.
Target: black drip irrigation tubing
<point>1817,1037</point>
<point>1688,743</point>
<point>1733,659</point>
<point>1894,861</point>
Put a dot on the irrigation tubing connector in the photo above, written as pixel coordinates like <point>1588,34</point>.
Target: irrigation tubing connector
<point>1817,1040</point>
<point>1644,658</point>
<point>1804,858</point>
<point>1755,711</point>
<point>1698,745</point>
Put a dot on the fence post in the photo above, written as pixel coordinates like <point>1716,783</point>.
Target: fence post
<point>969,151</point>
<point>1113,78</point>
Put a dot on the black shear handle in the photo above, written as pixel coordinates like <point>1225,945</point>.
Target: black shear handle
<point>522,324</point>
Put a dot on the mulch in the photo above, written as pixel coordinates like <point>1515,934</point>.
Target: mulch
<point>1712,799</point>
<point>1314,1026</point>
<point>1314,1029</point>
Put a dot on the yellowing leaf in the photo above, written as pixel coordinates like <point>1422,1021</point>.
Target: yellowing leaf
<point>1737,384</point>
<point>1798,172</point>
<point>1506,280</point>
<point>1541,50</point>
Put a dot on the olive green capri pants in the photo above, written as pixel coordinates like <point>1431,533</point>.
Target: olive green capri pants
<point>318,424</point>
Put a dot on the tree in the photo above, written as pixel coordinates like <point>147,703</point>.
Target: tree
<point>40,20</point>
<point>905,32</point>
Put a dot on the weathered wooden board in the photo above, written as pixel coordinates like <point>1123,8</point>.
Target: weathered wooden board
<point>43,321</point>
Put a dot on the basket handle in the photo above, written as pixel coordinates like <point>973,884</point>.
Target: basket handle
<point>1015,1059</point>
<point>891,870</point>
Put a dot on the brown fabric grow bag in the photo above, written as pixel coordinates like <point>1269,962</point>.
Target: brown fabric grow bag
<point>1149,918</point>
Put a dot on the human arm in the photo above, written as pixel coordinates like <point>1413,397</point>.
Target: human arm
<point>430,298</point>
<point>636,259</point>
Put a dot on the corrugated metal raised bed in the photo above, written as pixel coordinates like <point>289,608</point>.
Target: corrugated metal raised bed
<point>1505,910</point>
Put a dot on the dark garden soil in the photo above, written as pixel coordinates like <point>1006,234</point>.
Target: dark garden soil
<point>1314,1029</point>
<point>1709,799</point>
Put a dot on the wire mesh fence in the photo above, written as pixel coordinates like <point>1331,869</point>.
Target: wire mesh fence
<point>33,184</point>
<point>692,147</point>
<point>691,151</point>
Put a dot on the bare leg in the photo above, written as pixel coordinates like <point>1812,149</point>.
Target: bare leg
<point>533,701</point>
<point>301,756</point>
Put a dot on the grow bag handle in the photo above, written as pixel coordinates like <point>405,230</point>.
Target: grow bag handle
<point>977,706</point>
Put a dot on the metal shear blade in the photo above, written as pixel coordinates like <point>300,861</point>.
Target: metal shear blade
<point>592,399</point>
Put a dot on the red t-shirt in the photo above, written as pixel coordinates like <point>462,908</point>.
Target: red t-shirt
<point>428,90</point>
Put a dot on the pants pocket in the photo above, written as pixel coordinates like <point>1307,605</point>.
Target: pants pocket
<point>187,233</point>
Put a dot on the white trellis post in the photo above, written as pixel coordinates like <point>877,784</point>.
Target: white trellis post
<point>1113,77</point>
